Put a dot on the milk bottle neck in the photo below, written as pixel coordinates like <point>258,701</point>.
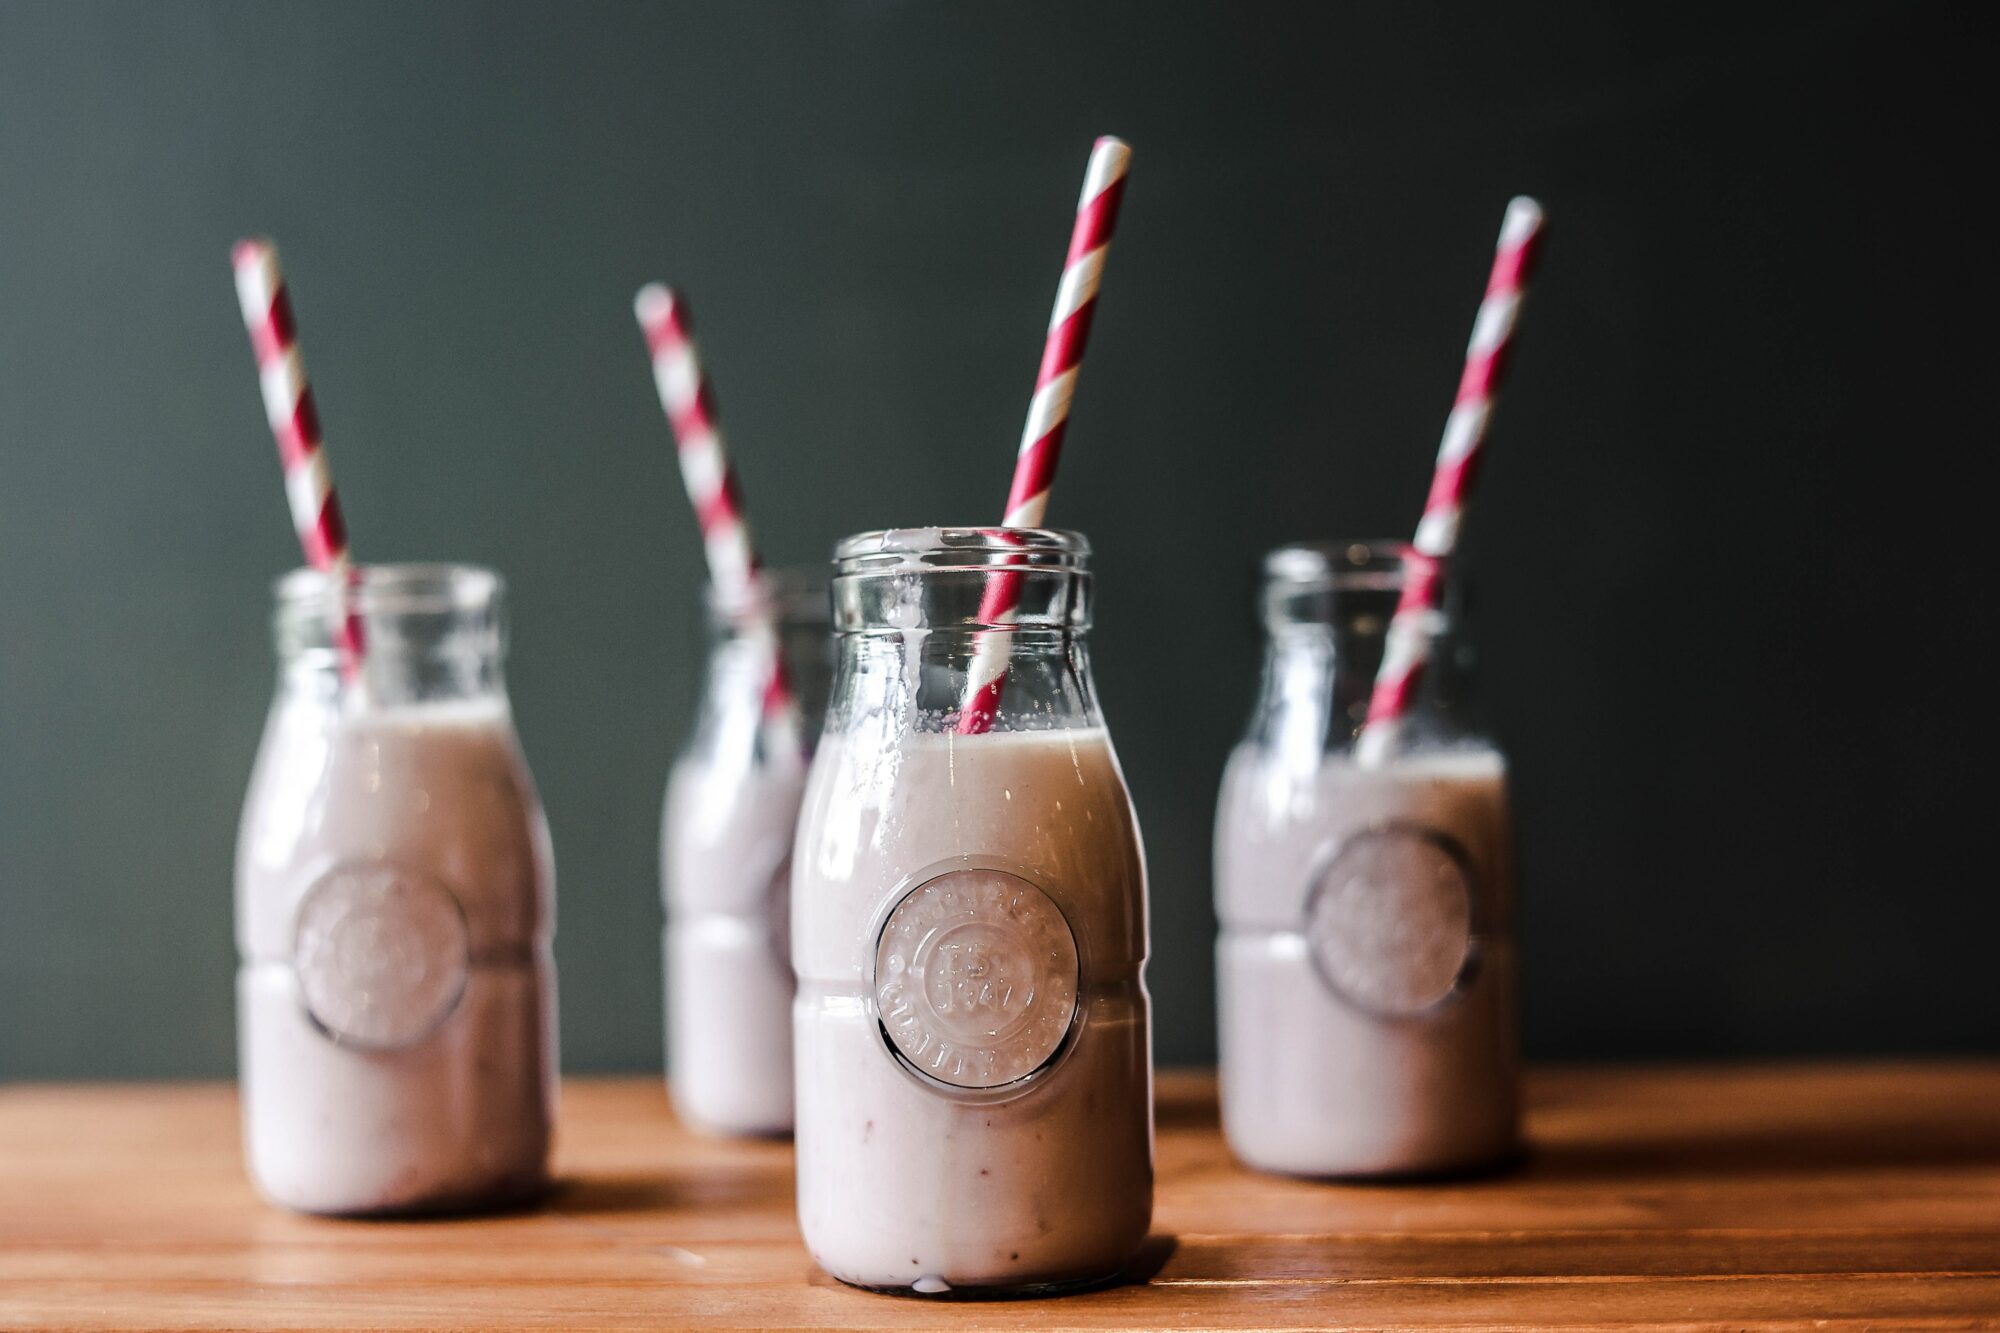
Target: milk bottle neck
<point>920,612</point>
<point>1326,609</point>
<point>785,614</point>
<point>389,635</point>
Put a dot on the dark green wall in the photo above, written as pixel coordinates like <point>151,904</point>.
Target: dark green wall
<point>1723,552</point>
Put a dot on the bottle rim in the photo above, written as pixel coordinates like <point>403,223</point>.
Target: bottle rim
<point>1354,565</point>
<point>391,589</point>
<point>927,550</point>
<point>793,594</point>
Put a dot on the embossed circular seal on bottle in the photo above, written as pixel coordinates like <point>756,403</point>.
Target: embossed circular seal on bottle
<point>1390,920</point>
<point>975,978</point>
<point>382,955</point>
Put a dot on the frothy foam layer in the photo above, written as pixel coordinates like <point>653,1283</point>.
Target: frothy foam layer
<point>442,714</point>
<point>1463,762</point>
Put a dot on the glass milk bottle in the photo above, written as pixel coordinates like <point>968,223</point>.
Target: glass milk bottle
<point>394,909</point>
<point>726,861</point>
<point>969,929</point>
<point>1366,963</point>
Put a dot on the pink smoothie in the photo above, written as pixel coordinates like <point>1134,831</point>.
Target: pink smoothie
<point>974,1077</point>
<point>396,994</point>
<point>1366,968</point>
<point>727,864</point>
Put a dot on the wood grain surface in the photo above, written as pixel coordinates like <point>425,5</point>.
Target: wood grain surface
<point>1822,1196</point>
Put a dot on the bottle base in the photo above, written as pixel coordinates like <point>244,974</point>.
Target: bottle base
<point>514,1197</point>
<point>1467,1168</point>
<point>740,1133</point>
<point>938,1289</point>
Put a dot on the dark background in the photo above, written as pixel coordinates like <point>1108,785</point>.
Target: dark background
<point>1729,552</point>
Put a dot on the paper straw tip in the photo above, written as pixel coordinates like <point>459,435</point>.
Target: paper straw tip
<point>1111,151</point>
<point>654,302</point>
<point>252,250</point>
<point>1110,156</point>
<point>1524,215</point>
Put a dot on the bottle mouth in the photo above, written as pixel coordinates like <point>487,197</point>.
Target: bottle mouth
<point>790,594</point>
<point>1028,581</point>
<point>432,630</point>
<point>1364,565</point>
<point>926,550</point>
<point>1354,585</point>
<point>391,590</point>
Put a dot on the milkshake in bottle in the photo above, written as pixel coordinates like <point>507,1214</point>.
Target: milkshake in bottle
<point>726,859</point>
<point>1366,963</point>
<point>394,909</point>
<point>969,929</point>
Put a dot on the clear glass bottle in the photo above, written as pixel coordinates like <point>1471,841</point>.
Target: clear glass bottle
<point>969,930</point>
<point>1366,968</point>
<point>732,809</point>
<point>394,908</point>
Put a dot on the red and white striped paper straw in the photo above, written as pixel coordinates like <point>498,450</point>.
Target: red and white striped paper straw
<point>1048,415</point>
<point>288,405</point>
<point>715,492</point>
<point>1406,650</point>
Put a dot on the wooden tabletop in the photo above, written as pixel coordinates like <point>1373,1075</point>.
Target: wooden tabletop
<point>1758,1196</point>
